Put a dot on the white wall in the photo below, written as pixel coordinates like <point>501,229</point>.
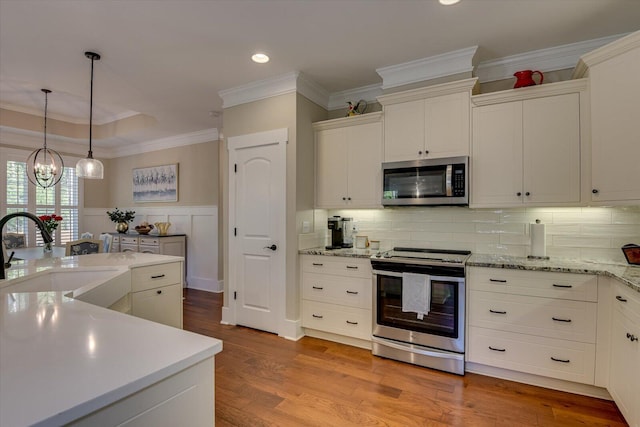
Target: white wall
<point>578,233</point>
<point>199,223</point>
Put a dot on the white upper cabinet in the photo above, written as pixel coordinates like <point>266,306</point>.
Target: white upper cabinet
<point>429,122</point>
<point>615,116</point>
<point>526,146</point>
<point>349,162</point>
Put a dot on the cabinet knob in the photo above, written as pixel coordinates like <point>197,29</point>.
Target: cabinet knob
<point>159,291</point>
<point>518,194</point>
<point>527,194</point>
<point>344,198</point>
<point>426,152</point>
<point>419,153</point>
<point>348,198</point>
<point>594,191</point>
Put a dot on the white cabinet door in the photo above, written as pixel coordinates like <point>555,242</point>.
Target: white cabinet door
<point>404,127</point>
<point>615,120</point>
<point>364,165</point>
<point>527,152</point>
<point>331,167</point>
<point>446,125</point>
<point>551,133</point>
<point>496,164</point>
<point>162,305</point>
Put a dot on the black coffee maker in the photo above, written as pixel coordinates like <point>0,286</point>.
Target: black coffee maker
<point>341,232</point>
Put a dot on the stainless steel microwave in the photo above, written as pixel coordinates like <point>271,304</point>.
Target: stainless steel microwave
<point>426,182</point>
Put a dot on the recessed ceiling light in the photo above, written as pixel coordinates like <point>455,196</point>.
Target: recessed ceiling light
<point>448,2</point>
<point>260,58</point>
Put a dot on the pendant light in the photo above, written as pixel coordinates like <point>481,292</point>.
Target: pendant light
<point>90,168</point>
<point>45,166</point>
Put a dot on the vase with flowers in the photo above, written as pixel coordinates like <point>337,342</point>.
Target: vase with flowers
<point>51,223</point>
<point>122,219</point>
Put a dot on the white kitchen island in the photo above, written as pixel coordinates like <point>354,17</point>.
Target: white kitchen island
<point>64,361</point>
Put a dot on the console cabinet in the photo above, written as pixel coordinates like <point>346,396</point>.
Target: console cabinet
<point>337,296</point>
<point>540,323</point>
<point>164,245</point>
<point>526,146</point>
<point>349,162</point>
<point>431,122</point>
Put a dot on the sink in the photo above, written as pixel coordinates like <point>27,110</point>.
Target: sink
<point>101,287</point>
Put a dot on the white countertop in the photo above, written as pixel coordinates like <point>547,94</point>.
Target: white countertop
<point>61,358</point>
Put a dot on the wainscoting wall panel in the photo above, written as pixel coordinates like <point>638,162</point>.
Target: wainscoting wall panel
<point>199,223</point>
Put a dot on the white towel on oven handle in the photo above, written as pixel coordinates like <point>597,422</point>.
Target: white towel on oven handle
<point>416,293</point>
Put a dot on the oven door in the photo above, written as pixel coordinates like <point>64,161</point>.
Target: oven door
<point>442,328</point>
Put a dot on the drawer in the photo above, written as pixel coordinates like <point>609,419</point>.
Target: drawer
<point>348,321</point>
<point>579,287</point>
<point>162,305</point>
<point>149,241</point>
<point>146,249</point>
<point>627,302</point>
<point>343,266</point>
<point>546,317</point>
<point>566,360</point>
<point>347,291</point>
<point>127,240</point>
<point>155,276</point>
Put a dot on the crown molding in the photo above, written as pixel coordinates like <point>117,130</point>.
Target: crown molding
<point>342,122</point>
<point>338,100</point>
<point>294,81</point>
<point>458,86</point>
<point>553,58</point>
<point>32,140</point>
<point>446,64</point>
<point>207,135</point>
<point>620,45</point>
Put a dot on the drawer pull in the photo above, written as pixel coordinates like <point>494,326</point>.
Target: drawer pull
<point>352,267</point>
<point>560,360</point>
<point>318,287</point>
<point>498,280</point>
<point>555,285</point>
<point>619,298</point>
<point>352,292</point>
<point>559,319</point>
<point>317,264</point>
<point>632,337</point>
<point>497,349</point>
<point>159,291</point>
<point>497,312</point>
<point>317,316</point>
<point>352,323</point>
<point>159,276</point>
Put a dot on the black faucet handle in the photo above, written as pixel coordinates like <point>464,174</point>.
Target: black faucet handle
<point>8,263</point>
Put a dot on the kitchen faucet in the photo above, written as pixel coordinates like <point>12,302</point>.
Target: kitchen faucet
<point>45,234</point>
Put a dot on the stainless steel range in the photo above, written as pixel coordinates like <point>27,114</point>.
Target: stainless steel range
<point>419,308</point>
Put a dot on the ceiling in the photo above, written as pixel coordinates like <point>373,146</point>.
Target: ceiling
<point>169,59</point>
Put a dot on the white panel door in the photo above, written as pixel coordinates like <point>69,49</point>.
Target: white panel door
<point>447,125</point>
<point>404,131</point>
<point>331,169</point>
<point>257,225</point>
<point>364,174</point>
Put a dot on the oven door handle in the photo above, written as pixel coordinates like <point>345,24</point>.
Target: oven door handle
<point>387,273</point>
<point>413,349</point>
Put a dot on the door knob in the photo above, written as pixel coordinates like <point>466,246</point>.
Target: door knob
<point>272,247</point>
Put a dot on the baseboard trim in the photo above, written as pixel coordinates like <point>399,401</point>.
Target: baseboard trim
<point>227,316</point>
<point>355,342</point>
<point>539,381</point>
<point>291,330</point>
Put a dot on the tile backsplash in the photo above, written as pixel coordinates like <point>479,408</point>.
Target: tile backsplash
<point>579,233</point>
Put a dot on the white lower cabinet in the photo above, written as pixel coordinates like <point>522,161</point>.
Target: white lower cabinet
<point>337,296</point>
<point>539,323</point>
<point>156,293</point>
<point>624,372</point>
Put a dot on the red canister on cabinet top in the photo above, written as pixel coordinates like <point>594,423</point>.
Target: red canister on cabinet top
<point>525,78</point>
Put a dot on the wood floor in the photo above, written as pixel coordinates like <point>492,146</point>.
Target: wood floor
<point>264,380</point>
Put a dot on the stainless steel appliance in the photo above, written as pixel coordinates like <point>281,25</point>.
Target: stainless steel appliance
<point>341,232</point>
<point>434,339</point>
<point>426,182</point>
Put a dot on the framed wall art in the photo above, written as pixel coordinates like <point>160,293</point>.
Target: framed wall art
<point>156,184</point>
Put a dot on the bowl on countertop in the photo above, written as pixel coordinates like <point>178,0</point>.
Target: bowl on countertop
<point>143,229</point>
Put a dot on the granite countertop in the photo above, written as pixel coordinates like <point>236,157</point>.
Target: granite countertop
<point>627,274</point>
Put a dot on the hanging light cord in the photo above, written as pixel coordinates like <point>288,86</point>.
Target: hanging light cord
<point>46,103</point>
<point>90,156</point>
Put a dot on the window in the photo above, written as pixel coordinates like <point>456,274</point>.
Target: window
<point>21,195</point>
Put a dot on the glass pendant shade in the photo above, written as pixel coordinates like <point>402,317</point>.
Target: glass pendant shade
<point>45,166</point>
<point>90,168</point>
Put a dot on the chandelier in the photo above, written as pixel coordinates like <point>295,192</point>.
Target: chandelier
<point>45,166</point>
